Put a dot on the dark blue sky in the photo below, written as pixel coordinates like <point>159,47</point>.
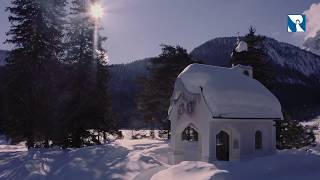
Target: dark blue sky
<point>135,28</point>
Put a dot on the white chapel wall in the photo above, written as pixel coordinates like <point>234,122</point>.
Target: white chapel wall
<point>244,132</point>
<point>199,118</point>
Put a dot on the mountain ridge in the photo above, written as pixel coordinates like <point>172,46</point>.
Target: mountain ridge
<point>298,81</point>
<point>297,72</point>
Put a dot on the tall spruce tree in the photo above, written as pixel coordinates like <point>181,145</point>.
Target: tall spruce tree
<point>256,58</point>
<point>290,133</point>
<point>89,106</point>
<point>36,33</point>
<point>153,102</point>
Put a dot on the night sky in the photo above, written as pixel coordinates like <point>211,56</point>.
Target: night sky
<point>136,28</point>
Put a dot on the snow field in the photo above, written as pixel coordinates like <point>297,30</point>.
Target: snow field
<point>144,159</point>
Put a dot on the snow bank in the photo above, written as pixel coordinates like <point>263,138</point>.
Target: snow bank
<point>187,170</point>
<point>290,164</point>
<point>6,147</point>
<point>121,160</point>
<point>230,93</point>
<point>145,159</point>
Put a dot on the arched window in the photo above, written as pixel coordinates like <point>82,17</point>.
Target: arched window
<point>258,140</point>
<point>246,72</point>
<point>190,134</point>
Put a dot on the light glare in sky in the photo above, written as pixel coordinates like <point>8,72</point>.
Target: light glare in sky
<point>96,11</point>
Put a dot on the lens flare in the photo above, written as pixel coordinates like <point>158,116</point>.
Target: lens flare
<point>96,11</point>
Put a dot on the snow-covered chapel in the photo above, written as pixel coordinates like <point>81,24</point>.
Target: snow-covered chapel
<point>219,113</point>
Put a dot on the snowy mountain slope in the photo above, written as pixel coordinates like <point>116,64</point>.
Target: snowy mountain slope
<point>216,51</point>
<point>281,55</point>
<point>297,71</point>
<point>286,56</point>
<point>293,57</point>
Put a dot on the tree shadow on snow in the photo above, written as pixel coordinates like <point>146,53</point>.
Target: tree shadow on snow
<point>11,163</point>
<point>96,162</point>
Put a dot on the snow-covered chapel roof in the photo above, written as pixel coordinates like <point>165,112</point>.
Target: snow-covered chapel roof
<point>229,93</point>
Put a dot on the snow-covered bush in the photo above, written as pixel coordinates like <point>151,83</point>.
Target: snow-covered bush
<point>140,134</point>
<point>292,134</point>
<point>163,134</point>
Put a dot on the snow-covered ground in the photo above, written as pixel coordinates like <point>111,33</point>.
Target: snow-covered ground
<point>303,164</point>
<point>291,165</point>
<point>147,159</point>
<point>123,159</point>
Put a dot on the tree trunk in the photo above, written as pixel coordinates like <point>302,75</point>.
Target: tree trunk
<point>46,143</point>
<point>30,142</point>
<point>104,136</point>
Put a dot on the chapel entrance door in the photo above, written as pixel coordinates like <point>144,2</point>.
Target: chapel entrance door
<point>222,146</point>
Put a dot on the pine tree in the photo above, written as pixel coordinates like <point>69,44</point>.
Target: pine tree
<point>154,100</point>
<point>291,134</point>
<point>3,105</point>
<point>36,33</point>
<point>256,58</point>
<point>89,107</point>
